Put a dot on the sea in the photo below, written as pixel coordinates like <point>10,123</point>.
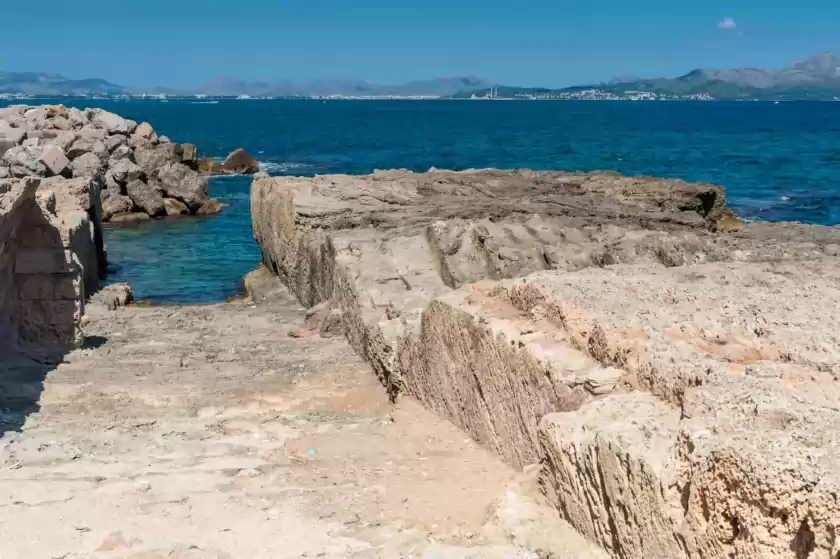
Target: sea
<point>778,162</point>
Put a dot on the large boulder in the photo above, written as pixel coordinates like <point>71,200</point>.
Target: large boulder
<point>80,146</point>
<point>144,132</point>
<point>111,123</point>
<point>54,159</point>
<point>146,198</point>
<point>240,162</point>
<point>14,135</point>
<point>25,161</point>
<point>152,158</point>
<point>114,141</point>
<point>86,165</point>
<point>124,171</point>
<point>180,182</point>
<point>115,204</point>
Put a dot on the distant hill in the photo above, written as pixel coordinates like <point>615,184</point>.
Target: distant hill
<point>32,83</point>
<point>815,78</point>
<point>442,87</point>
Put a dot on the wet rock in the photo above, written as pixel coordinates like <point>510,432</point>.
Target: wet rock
<point>175,207</point>
<point>240,162</point>
<point>129,217</point>
<point>209,207</point>
<point>210,166</point>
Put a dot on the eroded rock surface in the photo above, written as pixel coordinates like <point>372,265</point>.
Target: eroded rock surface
<point>129,160</point>
<point>147,443</point>
<point>666,363</point>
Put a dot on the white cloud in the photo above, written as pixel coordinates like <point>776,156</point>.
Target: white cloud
<point>727,23</point>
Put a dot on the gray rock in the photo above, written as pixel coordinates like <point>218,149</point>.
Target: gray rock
<point>32,142</point>
<point>5,145</point>
<point>164,140</point>
<point>146,198</point>
<point>80,146</point>
<point>76,118</point>
<point>64,139</point>
<point>180,182</point>
<point>36,118</point>
<point>115,141</point>
<point>86,165</point>
<point>111,123</point>
<point>5,172</point>
<point>25,161</point>
<point>115,204</point>
<point>152,158</point>
<point>175,207</point>
<point>188,155</point>
<point>101,151</point>
<point>124,171</point>
<point>14,135</point>
<point>111,183</point>
<point>61,123</point>
<point>93,133</point>
<point>54,159</point>
<point>122,152</point>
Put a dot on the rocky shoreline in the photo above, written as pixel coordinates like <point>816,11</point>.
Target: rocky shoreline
<point>670,372</point>
<point>668,366</point>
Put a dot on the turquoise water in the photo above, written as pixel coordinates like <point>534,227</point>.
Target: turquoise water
<point>778,162</point>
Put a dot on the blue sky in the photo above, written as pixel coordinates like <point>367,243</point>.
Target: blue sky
<point>183,43</point>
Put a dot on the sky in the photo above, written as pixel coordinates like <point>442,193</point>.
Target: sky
<point>553,43</point>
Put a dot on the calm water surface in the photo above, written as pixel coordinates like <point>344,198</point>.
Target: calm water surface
<point>778,162</point>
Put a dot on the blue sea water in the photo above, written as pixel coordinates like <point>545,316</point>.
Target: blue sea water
<point>777,161</point>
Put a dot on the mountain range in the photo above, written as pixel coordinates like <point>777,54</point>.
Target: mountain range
<point>817,77</point>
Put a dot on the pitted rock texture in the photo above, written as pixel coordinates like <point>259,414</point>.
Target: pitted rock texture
<point>659,360</point>
<point>134,166</point>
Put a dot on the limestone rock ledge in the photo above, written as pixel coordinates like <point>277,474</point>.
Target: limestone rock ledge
<point>667,365</point>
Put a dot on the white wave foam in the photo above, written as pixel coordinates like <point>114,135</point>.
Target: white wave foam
<point>284,167</point>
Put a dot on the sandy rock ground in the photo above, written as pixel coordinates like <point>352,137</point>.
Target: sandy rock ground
<point>207,432</point>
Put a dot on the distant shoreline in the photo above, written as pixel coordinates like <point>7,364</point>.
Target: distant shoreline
<point>208,99</point>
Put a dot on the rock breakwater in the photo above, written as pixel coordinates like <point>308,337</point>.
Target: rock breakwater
<point>141,175</point>
<point>664,363</point>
